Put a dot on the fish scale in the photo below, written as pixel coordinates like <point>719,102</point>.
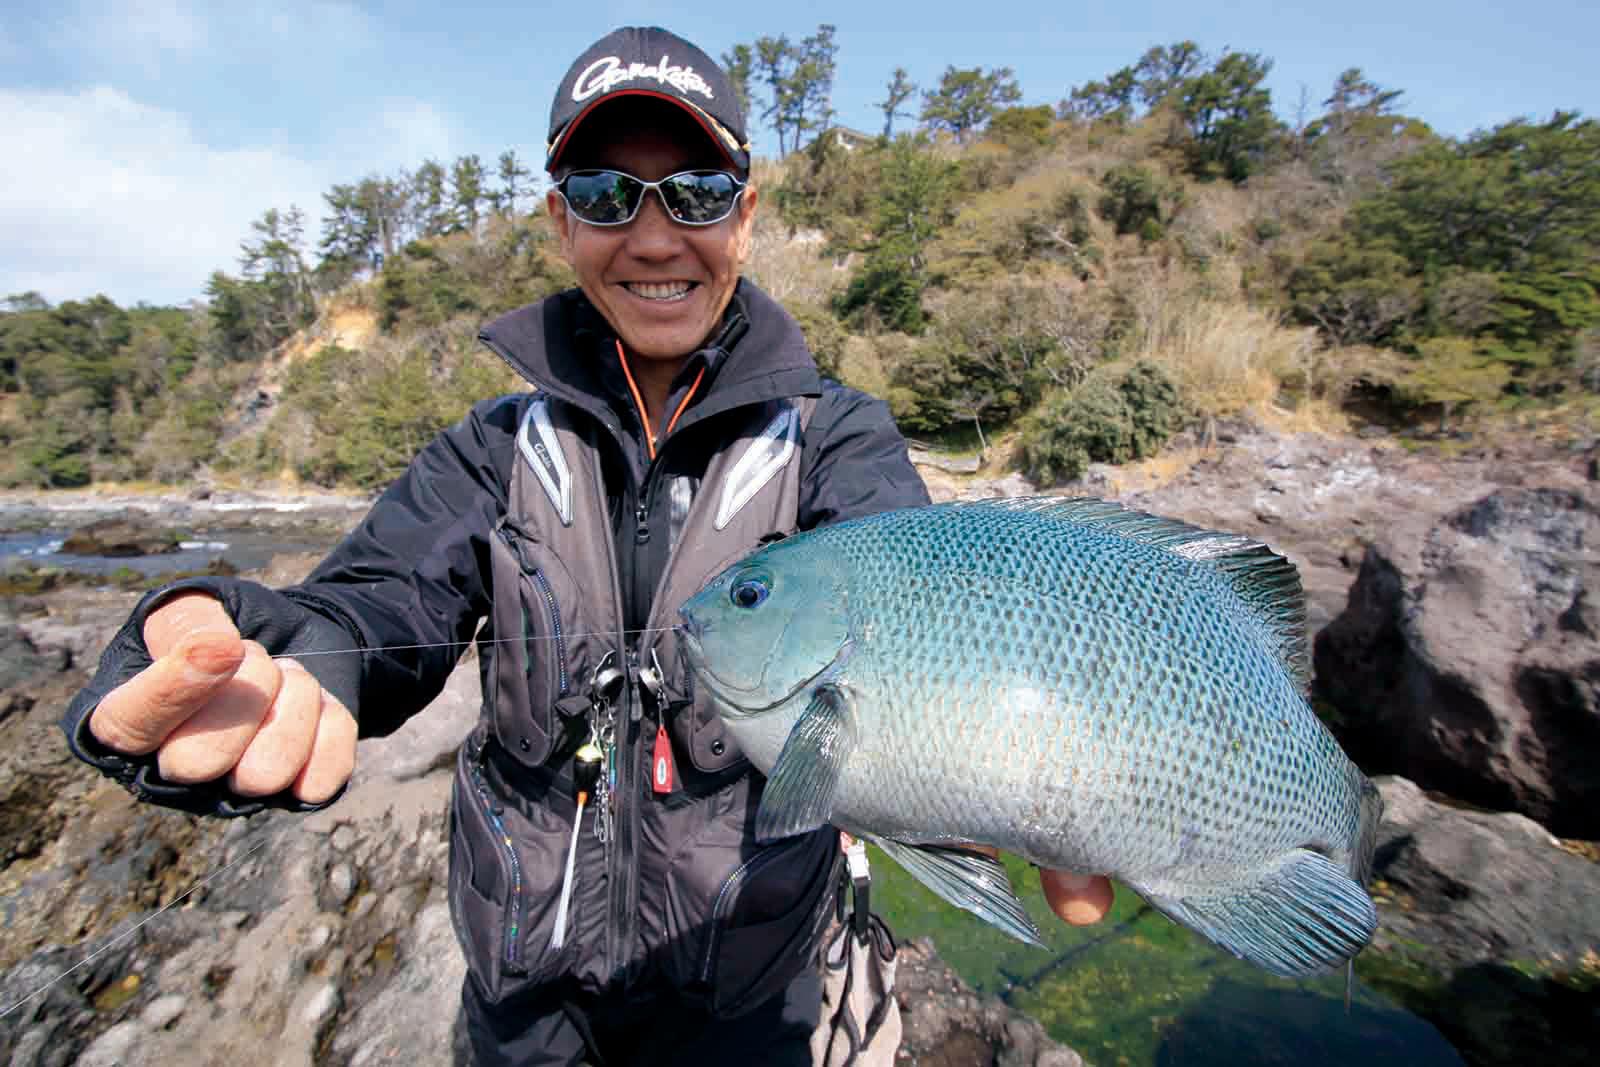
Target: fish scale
<point>1089,687</point>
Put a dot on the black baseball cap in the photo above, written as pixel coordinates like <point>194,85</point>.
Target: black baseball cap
<point>649,61</point>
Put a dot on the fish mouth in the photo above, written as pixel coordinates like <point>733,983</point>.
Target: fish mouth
<point>736,702</point>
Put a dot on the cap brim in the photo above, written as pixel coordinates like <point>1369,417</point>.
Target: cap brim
<point>736,154</point>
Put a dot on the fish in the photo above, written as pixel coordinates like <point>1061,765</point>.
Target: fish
<point>1087,686</point>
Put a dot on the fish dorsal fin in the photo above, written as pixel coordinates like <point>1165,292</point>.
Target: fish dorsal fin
<point>1268,583</point>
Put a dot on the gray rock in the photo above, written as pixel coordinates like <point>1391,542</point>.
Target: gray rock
<point>117,1047</point>
<point>1475,886</point>
<point>341,883</point>
<point>946,1024</point>
<point>427,741</point>
<point>321,1006</point>
<point>1468,656</point>
<point>162,1012</point>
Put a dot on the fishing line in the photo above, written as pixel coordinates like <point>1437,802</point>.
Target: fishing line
<point>469,643</point>
<point>135,929</point>
<point>256,848</point>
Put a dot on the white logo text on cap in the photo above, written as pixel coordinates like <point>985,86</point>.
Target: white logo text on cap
<point>607,73</point>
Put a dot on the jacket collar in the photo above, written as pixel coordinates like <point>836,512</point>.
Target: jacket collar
<point>565,347</point>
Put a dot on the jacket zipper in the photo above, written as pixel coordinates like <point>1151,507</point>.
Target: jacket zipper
<point>513,939</point>
<point>726,897</point>
<point>560,642</point>
<point>552,606</point>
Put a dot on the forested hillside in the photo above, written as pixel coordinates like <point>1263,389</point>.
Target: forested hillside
<point>1163,246</point>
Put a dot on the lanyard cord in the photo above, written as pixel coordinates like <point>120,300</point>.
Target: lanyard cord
<point>644,414</point>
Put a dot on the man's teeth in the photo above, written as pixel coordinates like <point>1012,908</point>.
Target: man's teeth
<point>659,290</point>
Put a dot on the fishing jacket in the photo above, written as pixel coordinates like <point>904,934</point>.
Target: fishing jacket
<point>548,518</point>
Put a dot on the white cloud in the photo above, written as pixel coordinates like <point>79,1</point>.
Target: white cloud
<point>105,194</point>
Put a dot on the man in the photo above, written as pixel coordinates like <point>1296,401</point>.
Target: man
<point>605,882</point>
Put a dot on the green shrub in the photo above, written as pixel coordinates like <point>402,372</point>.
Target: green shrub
<point>1107,419</point>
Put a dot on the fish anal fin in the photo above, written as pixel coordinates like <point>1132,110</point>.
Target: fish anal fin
<point>800,791</point>
<point>1299,916</point>
<point>969,880</point>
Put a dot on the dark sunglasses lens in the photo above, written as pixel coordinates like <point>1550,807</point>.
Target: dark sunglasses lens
<point>702,197</point>
<point>602,196</point>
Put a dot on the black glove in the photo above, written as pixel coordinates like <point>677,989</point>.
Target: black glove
<point>287,623</point>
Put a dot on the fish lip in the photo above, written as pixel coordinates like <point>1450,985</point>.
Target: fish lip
<point>691,630</point>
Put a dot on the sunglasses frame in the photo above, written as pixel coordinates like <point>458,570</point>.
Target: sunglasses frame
<point>738,191</point>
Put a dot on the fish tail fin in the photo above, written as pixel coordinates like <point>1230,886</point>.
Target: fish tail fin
<point>1300,915</point>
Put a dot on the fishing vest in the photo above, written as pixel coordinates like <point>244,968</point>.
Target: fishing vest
<point>680,895</point>
<point>556,584</point>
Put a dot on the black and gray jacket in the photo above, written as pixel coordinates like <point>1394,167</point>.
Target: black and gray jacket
<point>543,517</point>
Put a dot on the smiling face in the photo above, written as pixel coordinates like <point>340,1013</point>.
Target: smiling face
<point>663,286</point>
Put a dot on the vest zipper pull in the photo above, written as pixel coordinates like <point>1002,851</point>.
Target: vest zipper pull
<point>641,531</point>
<point>661,762</point>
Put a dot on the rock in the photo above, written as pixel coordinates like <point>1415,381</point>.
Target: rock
<point>1488,929</point>
<point>1475,886</point>
<point>114,1048</point>
<point>341,883</point>
<point>1468,656</point>
<point>321,1006</point>
<point>429,740</point>
<point>946,1024</point>
<point>162,1012</point>
<point>120,536</point>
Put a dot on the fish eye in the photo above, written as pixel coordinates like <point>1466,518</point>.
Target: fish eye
<point>748,592</point>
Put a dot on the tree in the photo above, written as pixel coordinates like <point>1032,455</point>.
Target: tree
<point>915,191</point>
<point>274,261</point>
<point>899,90</point>
<point>775,58</point>
<point>967,99</point>
<point>739,63</point>
<point>1229,117</point>
<point>430,209</point>
<point>1163,69</point>
<point>1110,100</point>
<point>516,181</point>
<point>813,81</point>
<point>799,81</point>
<point>467,193</point>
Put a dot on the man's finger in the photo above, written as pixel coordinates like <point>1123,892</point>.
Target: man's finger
<point>183,616</point>
<point>282,744</point>
<point>138,715</point>
<point>1079,899</point>
<point>206,745</point>
<point>333,754</point>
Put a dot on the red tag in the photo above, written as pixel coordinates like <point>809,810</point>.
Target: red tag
<point>661,763</point>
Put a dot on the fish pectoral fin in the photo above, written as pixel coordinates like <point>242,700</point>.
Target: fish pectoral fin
<point>969,880</point>
<point>805,779</point>
<point>1299,916</point>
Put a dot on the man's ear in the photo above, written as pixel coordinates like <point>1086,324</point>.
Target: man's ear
<point>563,223</point>
<point>748,204</point>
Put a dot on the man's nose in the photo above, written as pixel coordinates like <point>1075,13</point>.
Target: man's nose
<point>652,233</point>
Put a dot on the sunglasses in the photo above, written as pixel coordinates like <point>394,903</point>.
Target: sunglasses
<point>612,198</point>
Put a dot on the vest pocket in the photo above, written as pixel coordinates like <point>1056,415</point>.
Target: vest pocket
<point>502,897</point>
<point>765,920</point>
<point>537,606</point>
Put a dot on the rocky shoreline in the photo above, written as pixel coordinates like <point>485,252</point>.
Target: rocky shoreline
<point>325,939</point>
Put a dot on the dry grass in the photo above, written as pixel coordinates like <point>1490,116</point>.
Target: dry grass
<point>1153,473</point>
<point>1226,355</point>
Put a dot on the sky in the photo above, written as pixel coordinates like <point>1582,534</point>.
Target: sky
<point>139,141</point>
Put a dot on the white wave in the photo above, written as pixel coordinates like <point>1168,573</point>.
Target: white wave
<point>203,546</point>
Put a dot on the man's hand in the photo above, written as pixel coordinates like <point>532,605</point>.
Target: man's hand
<point>1080,899</point>
<point>212,704</point>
